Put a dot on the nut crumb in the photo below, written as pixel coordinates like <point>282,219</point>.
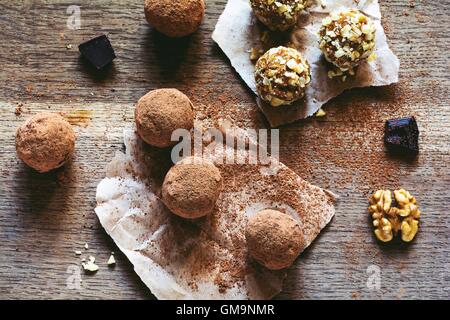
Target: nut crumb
<point>372,57</point>
<point>90,265</point>
<point>321,113</point>
<point>255,54</point>
<point>18,110</point>
<point>111,260</point>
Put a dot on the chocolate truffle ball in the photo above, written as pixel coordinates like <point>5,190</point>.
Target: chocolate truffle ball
<point>192,187</point>
<point>282,75</point>
<point>347,38</point>
<point>278,15</point>
<point>45,141</point>
<point>274,239</point>
<point>159,113</point>
<point>175,18</point>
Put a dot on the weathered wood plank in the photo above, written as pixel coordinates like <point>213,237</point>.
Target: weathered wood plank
<point>45,218</point>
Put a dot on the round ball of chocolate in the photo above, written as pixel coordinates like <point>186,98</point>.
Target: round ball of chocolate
<point>45,141</point>
<point>282,75</point>
<point>347,38</point>
<point>175,18</point>
<point>192,187</point>
<point>274,239</point>
<point>278,15</point>
<point>159,113</point>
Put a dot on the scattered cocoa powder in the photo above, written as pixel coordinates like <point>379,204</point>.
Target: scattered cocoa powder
<point>214,247</point>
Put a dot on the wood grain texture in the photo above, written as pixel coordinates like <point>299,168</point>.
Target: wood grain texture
<point>45,218</point>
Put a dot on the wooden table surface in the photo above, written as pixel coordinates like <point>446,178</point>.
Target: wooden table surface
<point>45,218</point>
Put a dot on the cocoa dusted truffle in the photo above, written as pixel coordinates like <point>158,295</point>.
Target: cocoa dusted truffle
<point>282,75</point>
<point>278,15</point>
<point>192,187</point>
<point>347,38</point>
<point>175,18</point>
<point>274,239</point>
<point>45,141</point>
<point>159,113</point>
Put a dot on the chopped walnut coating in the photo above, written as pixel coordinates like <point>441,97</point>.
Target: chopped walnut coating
<point>347,38</point>
<point>336,72</point>
<point>389,220</point>
<point>278,15</point>
<point>282,75</point>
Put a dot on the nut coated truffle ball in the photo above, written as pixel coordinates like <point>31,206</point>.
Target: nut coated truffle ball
<point>175,18</point>
<point>347,38</point>
<point>192,187</point>
<point>159,113</point>
<point>278,15</point>
<point>274,239</point>
<point>282,75</point>
<point>45,141</point>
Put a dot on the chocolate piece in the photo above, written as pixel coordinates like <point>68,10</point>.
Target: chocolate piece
<point>402,135</point>
<point>98,51</point>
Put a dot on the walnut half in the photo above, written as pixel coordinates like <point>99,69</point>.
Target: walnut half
<point>389,220</point>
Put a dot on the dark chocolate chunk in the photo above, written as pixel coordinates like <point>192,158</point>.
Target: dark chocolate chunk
<point>402,135</point>
<point>98,52</point>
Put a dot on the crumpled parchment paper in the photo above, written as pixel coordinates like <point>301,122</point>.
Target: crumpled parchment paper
<point>206,258</point>
<point>238,30</point>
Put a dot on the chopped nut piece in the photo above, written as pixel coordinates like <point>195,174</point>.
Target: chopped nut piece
<point>372,57</point>
<point>342,75</point>
<point>389,220</point>
<point>321,113</point>
<point>255,54</point>
<point>265,37</point>
<point>86,246</point>
<point>111,260</point>
<point>90,265</point>
<point>78,252</point>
